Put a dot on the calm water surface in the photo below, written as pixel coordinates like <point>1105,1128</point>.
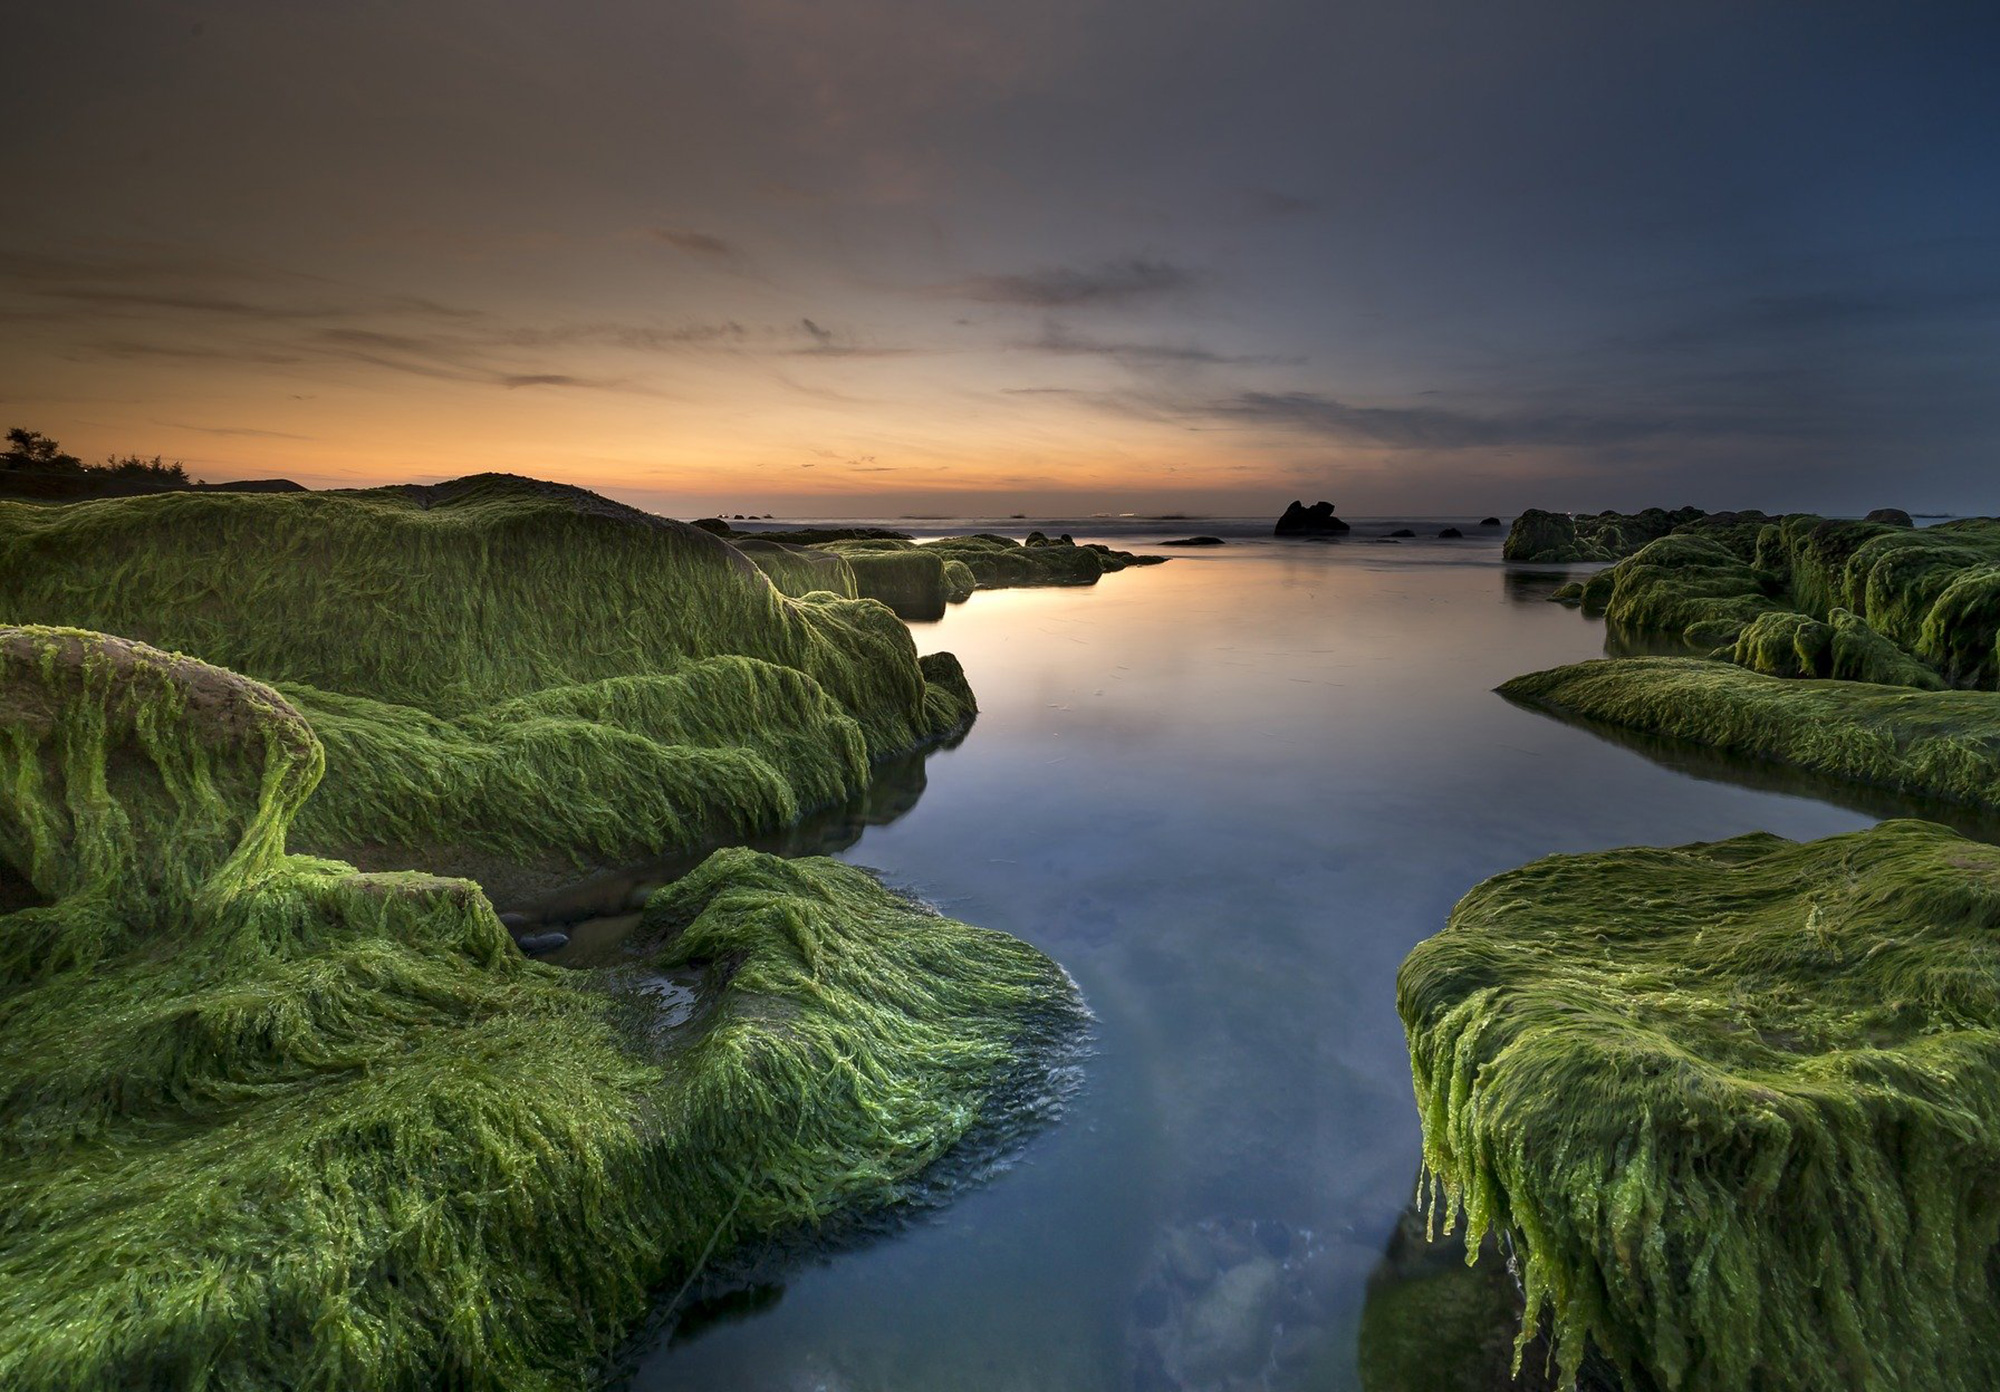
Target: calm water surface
<point>1229,794</point>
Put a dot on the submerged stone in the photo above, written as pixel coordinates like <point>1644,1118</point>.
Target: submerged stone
<point>1734,1103</point>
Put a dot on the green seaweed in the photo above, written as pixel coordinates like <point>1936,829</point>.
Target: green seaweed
<point>799,571</point>
<point>1735,1104</point>
<point>1936,744</point>
<point>1557,537</point>
<point>268,1122</point>
<point>504,666</point>
<point>1930,595</point>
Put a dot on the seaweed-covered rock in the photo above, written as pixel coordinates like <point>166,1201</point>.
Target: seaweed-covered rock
<point>501,664</point>
<point>133,776</point>
<point>267,1122</point>
<point>1317,520</point>
<point>1931,595</point>
<point>1736,1104</point>
<point>912,582</point>
<point>1692,588</point>
<point>1894,517</point>
<point>798,571</point>
<point>1938,744</point>
<point>1556,537</point>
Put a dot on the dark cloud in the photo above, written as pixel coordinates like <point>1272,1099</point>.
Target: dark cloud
<point>1440,428</point>
<point>1061,339</point>
<point>235,431</point>
<point>1274,203</point>
<point>694,243</point>
<point>1068,287</point>
<point>825,343</point>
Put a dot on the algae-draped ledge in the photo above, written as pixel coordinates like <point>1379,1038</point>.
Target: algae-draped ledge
<point>269,1121</point>
<point>508,675</point>
<point>1737,1104</point>
<point>1865,650</point>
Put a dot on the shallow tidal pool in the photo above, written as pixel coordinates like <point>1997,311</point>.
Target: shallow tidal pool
<point>1228,794</point>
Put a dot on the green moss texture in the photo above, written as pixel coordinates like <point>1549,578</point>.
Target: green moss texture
<point>1922,606</point>
<point>269,1122</point>
<point>1737,1104</point>
<point>1558,537</point>
<point>467,647</point>
<point>1936,744</point>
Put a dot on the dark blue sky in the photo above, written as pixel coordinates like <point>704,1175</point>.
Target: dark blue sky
<point>1444,257</point>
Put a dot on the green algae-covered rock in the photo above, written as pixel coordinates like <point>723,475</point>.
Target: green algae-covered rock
<point>1931,596</point>
<point>1558,537</point>
<point>1736,1104</point>
<point>268,1122</point>
<point>1938,744</point>
<point>912,582</point>
<point>800,570</point>
<point>500,666</point>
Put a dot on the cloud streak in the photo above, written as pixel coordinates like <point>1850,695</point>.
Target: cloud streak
<point>1072,287</point>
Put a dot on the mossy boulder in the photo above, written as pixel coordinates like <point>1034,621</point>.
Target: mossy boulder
<point>799,571</point>
<point>1736,1104</point>
<point>1931,595</point>
<point>1560,537</point>
<point>503,666</point>
<point>1935,744</point>
<point>269,1122</point>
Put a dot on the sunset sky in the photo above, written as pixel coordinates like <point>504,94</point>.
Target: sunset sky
<point>845,257</point>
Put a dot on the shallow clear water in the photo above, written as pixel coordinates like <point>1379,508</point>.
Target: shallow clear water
<point>1229,794</point>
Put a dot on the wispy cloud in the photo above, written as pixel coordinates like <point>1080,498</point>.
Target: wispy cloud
<point>695,243</point>
<point>1061,339</point>
<point>1443,428</point>
<point>234,431</point>
<point>1061,287</point>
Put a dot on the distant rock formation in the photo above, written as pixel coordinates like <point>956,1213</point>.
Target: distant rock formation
<point>1317,520</point>
<point>1450,534</point>
<point>1194,541</point>
<point>1895,517</point>
<point>1489,521</point>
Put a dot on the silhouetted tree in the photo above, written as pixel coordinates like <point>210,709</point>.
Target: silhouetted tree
<point>30,449</point>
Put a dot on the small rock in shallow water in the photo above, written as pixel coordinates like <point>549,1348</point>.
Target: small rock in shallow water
<point>1402,532</point>
<point>535,944</point>
<point>1450,532</point>
<point>1489,521</point>
<point>516,923</point>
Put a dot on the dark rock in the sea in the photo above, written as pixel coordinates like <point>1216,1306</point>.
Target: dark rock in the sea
<point>1489,521</point>
<point>1450,532</point>
<point>1317,520</point>
<point>535,944</point>
<point>1194,541</point>
<point>1895,517</point>
<point>1402,532</point>
<point>1388,541</point>
<point>516,923</point>
<point>713,524</point>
